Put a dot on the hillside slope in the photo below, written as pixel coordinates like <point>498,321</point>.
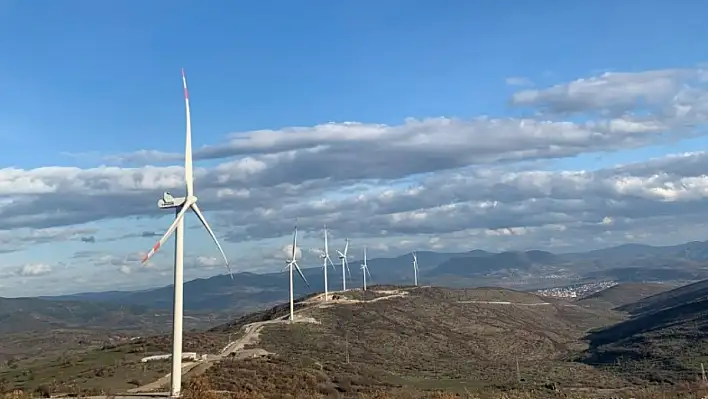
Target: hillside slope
<point>665,340</point>
<point>39,327</point>
<point>387,338</point>
<point>424,338</point>
<point>661,301</point>
<point>18,315</point>
<point>623,294</point>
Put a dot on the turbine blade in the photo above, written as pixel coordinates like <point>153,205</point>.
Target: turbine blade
<point>301,275</point>
<point>294,243</point>
<point>168,233</point>
<point>326,248</point>
<point>331,263</point>
<point>346,247</point>
<point>367,271</point>
<point>188,173</point>
<point>202,219</point>
<point>287,265</point>
<point>346,263</point>
<point>341,255</point>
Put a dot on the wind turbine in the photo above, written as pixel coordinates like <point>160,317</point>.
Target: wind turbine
<point>325,259</point>
<point>365,269</point>
<point>181,205</point>
<point>415,268</point>
<point>290,264</point>
<point>345,264</point>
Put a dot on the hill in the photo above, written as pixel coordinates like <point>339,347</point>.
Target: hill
<point>661,301</point>
<point>664,341</point>
<point>32,327</point>
<point>19,315</point>
<point>389,339</point>
<point>623,294</point>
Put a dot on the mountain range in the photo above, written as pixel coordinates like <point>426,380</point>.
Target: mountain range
<point>512,269</point>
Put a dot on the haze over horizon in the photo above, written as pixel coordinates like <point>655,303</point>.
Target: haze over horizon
<point>404,125</point>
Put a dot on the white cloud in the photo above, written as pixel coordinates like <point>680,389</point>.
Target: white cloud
<point>34,269</point>
<point>673,92</point>
<point>518,81</point>
<point>440,183</point>
<point>17,239</point>
<point>208,261</point>
<point>287,252</point>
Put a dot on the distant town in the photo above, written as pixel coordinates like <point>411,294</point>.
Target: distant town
<point>576,290</point>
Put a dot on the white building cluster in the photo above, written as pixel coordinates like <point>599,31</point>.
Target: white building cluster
<point>576,290</point>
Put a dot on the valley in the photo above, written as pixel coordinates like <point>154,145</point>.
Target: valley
<point>587,336</point>
<point>395,341</point>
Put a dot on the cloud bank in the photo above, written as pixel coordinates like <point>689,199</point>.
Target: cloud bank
<point>441,183</point>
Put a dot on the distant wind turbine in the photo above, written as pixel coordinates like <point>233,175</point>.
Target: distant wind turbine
<point>181,205</point>
<point>292,264</point>
<point>415,269</point>
<point>325,259</point>
<point>345,264</point>
<point>365,269</point>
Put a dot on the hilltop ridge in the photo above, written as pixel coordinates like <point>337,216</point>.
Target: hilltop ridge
<point>394,335</point>
<point>400,341</point>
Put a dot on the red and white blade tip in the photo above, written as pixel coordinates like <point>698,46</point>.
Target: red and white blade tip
<point>184,83</point>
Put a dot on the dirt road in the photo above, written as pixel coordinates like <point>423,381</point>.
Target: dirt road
<point>251,337</point>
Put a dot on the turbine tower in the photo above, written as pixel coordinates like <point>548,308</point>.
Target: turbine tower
<point>345,264</point>
<point>325,259</point>
<point>365,269</point>
<point>181,205</point>
<point>292,264</point>
<point>415,268</point>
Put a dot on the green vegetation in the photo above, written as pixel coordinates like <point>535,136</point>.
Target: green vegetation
<point>424,342</point>
<point>111,368</point>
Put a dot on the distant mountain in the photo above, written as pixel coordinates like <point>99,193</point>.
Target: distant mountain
<point>482,263</point>
<point>693,251</point>
<point>250,291</point>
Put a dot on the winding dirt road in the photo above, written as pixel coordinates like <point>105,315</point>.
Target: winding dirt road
<point>251,337</point>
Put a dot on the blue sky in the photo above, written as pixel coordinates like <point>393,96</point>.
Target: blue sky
<point>83,76</point>
<point>83,80</point>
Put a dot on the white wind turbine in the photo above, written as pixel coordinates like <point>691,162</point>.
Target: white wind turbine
<point>290,264</point>
<point>415,268</point>
<point>345,264</point>
<point>365,269</point>
<point>181,205</point>
<point>325,259</point>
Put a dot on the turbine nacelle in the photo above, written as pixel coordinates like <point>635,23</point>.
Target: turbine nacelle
<point>168,201</point>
